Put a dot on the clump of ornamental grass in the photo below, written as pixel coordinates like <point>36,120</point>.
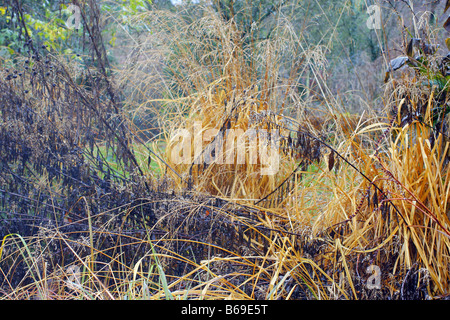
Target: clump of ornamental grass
<point>224,101</point>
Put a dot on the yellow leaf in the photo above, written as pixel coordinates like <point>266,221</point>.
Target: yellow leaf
<point>447,43</point>
<point>2,10</point>
<point>112,42</point>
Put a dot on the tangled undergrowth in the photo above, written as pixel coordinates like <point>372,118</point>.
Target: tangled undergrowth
<point>356,208</point>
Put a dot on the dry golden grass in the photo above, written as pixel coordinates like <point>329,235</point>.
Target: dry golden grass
<point>388,208</point>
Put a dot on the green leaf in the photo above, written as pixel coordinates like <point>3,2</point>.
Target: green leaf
<point>112,42</point>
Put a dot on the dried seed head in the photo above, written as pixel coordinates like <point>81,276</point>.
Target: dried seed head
<point>375,199</point>
<point>331,161</point>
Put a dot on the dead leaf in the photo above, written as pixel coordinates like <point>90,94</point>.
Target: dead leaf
<point>331,161</point>
<point>386,76</point>
<point>447,43</point>
<point>430,48</point>
<point>413,43</point>
<point>447,24</point>
<point>397,63</point>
